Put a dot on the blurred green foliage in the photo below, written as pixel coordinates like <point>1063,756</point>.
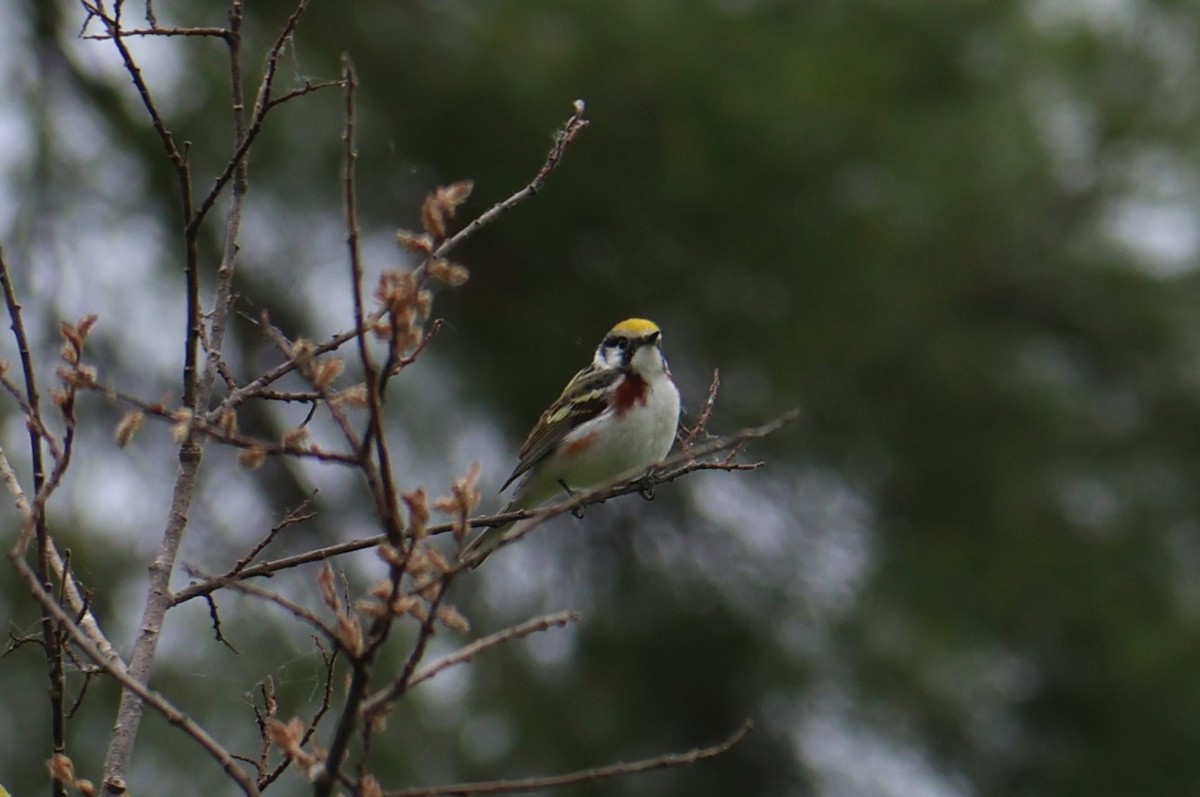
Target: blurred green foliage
<point>962,237</point>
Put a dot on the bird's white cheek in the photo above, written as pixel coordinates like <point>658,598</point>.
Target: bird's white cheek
<point>647,360</point>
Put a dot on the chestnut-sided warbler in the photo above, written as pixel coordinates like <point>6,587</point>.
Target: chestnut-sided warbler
<point>614,419</point>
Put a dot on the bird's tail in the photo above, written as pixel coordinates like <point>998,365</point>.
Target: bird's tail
<point>483,545</point>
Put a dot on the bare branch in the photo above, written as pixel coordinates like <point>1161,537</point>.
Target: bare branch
<point>35,520</point>
<point>667,761</point>
<point>465,654</point>
<point>215,616</point>
<point>383,489</point>
<point>688,435</point>
<point>671,469</point>
<point>145,695</point>
<point>197,394</point>
<point>215,33</point>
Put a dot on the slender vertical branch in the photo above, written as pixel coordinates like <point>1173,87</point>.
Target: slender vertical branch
<point>183,174</point>
<point>159,598</point>
<point>381,482</point>
<point>360,678</point>
<point>50,634</point>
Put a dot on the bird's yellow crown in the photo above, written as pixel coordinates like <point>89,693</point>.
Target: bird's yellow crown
<point>635,327</point>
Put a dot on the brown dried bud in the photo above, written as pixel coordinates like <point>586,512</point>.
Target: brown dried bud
<point>435,559</point>
<point>328,593</point>
<point>369,787</point>
<point>448,273</point>
<point>428,589</point>
<point>381,590</point>
<point>128,426</point>
<point>350,634</point>
<point>292,438</point>
<point>354,396</point>
<point>84,326</point>
<point>453,619</point>
<point>455,194</point>
<point>252,458</point>
<point>433,216</point>
<point>324,372</point>
<point>74,337</point>
<point>287,737</point>
<point>382,329</point>
<point>388,553</point>
<point>182,425</point>
<point>418,512</point>
<point>466,488</point>
<point>369,608</point>
<point>86,374</point>
<point>302,351</point>
<point>403,604</point>
<point>228,422</point>
<point>421,244</point>
<point>61,768</point>
<point>413,608</point>
<point>425,304</point>
<point>378,717</point>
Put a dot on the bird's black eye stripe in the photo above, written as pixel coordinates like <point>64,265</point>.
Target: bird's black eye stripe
<point>614,342</point>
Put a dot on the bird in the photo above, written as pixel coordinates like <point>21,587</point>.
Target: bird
<point>614,420</point>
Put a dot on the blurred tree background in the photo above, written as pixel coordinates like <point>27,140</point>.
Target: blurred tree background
<point>962,237</point>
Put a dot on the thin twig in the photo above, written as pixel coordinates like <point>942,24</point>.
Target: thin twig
<point>566,134</point>
<point>263,104</point>
<point>179,162</point>
<point>293,516</point>
<point>465,654</point>
<point>326,701</point>
<point>382,488</point>
<point>297,611</point>
<point>689,434</point>
<point>217,33</point>
<point>340,419</point>
<point>41,492</point>
<point>582,776</point>
<point>213,430</point>
<point>256,387</point>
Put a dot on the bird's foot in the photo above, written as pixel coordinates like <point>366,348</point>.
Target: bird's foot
<point>576,511</point>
